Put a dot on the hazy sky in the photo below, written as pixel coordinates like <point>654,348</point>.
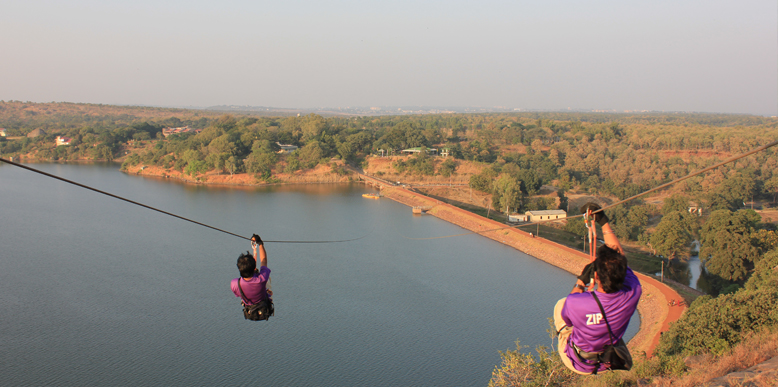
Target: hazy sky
<point>699,55</point>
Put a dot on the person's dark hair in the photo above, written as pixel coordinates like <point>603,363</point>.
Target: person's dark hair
<point>246,265</point>
<point>611,268</point>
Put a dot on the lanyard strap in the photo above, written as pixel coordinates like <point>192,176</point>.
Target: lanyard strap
<point>245,299</point>
<point>610,333</point>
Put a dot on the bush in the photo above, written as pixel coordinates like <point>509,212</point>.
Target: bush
<point>448,168</point>
<point>195,167</point>
<point>714,325</point>
<point>517,368</point>
<point>131,160</point>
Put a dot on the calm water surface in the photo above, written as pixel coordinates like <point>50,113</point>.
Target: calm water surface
<point>96,292</point>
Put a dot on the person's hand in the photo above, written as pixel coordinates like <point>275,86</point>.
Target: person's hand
<point>599,217</point>
<point>578,289</point>
<point>256,239</point>
<point>586,274</point>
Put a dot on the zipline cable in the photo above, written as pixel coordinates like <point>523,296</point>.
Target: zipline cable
<point>156,209</point>
<point>761,148</point>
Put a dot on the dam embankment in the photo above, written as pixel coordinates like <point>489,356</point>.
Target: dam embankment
<point>655,314</point>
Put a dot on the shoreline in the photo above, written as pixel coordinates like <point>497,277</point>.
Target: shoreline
<point>320,175</point>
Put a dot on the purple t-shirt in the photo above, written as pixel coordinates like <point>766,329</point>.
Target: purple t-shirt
<point>589,330</point>
<point>255,288</point>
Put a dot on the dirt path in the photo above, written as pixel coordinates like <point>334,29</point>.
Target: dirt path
<point>655,314</point>
<point>674,312</point>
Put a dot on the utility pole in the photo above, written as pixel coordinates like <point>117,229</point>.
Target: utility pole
<point>663,270</point>
<point>488,208</point>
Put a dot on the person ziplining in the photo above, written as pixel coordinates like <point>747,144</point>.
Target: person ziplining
<point>590,324</point>
<point>253,285</point>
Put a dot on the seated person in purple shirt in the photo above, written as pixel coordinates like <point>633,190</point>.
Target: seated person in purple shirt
<point>582,330</point>
<point>253,281</point>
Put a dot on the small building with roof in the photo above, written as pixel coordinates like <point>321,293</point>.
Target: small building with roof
<point>184,129</point>
<point>3,133</point>
<point>286,148</point>
<point>516,218</point>
<point>545,215</point>
<point>61,140</point>
<point>418,149</point>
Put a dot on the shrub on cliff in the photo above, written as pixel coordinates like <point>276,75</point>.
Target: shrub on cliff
<point>524,369</point>
<point>130,161</point>
<point>714,325</point>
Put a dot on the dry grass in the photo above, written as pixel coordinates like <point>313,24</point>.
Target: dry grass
<point>545,368</point>
<point>754,349</point>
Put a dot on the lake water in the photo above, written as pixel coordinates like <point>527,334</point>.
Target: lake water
<point>96,291</point>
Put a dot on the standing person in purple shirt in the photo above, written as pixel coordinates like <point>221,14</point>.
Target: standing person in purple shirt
<point>253,282</point>
<point>583,333</point>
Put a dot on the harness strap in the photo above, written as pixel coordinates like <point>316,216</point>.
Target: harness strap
<point>586,356</point>
<point>243,298</point>
<point>610,333</point>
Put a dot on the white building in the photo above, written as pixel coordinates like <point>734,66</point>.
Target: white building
<point>516,218</point>
<point>286,148</point>
<point>545,215</point>
<point>184,129</point>
<point>60,140</point>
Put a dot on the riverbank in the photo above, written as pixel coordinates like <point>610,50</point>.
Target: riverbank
<point>655,314</point>
<point>319,174</point>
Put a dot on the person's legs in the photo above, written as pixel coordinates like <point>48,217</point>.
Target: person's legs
<point>558,322</point>
<point>564,336</point>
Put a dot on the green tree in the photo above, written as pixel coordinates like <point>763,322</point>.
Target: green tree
<point>733,192</point>
<point>260,162</point>
<point>310,154</point>
<point>506,191</point>
<point>727,244</point>
<point>673,235</point>
<point>292,163</point>
<point>576,226</point>
<point>346,151</point>
<point>447,167</point>
<point>233,165</point>
<point>217,160</point>
<point>195,167</point>
<point>483,181</point>
<point>312,126</point>
<point>674,203</point>
<point>222,144</point>
<point>562,199</point>
<point>771,185</point>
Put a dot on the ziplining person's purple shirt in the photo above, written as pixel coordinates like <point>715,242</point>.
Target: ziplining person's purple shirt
<point>590,333</point>
<point>255,289</point>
